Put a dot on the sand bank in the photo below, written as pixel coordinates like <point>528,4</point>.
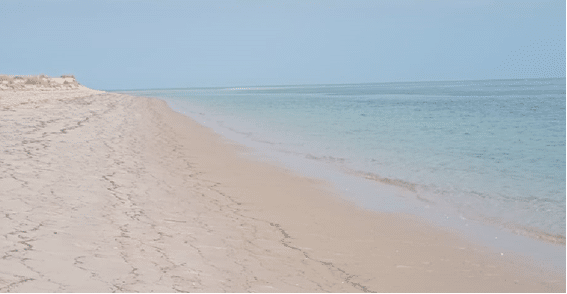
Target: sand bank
<point>108,192</point>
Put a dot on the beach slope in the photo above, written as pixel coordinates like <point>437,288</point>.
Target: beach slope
<point>103,192</point>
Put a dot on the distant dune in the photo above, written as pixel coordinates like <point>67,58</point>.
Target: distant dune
<point>41,82</point>
<point>16,90</point>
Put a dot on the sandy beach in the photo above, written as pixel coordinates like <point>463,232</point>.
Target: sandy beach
<point>104,192</point>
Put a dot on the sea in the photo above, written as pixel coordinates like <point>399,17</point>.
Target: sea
<point>486,152</point>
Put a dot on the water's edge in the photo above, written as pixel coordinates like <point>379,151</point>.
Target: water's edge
<point>547,252</point>
<point>389,193</point>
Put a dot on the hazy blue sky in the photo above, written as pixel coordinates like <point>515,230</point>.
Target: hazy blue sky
<point>163,44</point>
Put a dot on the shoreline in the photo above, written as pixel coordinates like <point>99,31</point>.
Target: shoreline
<point>330,194</point>
<point>494,206</point>
<point>171,205</point>
<point>380,196</point>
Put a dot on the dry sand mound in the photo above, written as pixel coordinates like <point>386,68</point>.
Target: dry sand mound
<point>16,90</point>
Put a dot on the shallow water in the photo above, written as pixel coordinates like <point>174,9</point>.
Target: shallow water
<point>491,150</point>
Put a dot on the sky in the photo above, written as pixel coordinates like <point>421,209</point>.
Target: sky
<point>113,45</point>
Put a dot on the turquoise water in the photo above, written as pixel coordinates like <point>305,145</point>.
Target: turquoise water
<point>492,150</point>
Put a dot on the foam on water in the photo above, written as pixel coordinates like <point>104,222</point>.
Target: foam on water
<point>489,150</point>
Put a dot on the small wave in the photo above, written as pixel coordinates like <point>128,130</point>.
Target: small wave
<point>394,182</point>
<point>528,231</point>
<point>325,158</point>
<point>523,230</point>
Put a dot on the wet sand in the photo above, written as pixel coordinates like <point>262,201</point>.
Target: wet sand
<point>105,192</point>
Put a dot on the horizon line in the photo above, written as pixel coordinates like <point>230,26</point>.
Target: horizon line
<point>338,84</point>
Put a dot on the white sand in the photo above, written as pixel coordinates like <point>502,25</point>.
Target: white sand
<point>104,192</point>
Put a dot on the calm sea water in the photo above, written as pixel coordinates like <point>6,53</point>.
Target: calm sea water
<point>492,150</point>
